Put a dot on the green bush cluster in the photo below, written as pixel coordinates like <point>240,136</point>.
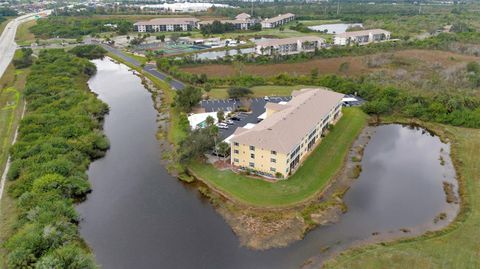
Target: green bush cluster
<point>89,51</point>
<point>58,137</point>
<point>71,27</point>
<point>23,58</point>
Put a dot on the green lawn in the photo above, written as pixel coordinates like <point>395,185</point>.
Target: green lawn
<point>310,178</point>
<point>260,91</point>
<point>140,59</point>
<point>24,36</point>
<point>456,247</point>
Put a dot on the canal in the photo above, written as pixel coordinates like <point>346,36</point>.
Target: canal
<point>138,216</point>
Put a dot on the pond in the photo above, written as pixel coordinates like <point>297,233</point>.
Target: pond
<point>212,55</point>
<point>336,28</point>
<point>138,216</point>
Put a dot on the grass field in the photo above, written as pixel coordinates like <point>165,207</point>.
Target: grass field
<point>140,59</point>
<point>24,36</point>
<point>4,24</point>
<point>317,170</point>
<point>11,106</point>
<point>457,246</point>
<point>260,91</point>
<point>408,60</point>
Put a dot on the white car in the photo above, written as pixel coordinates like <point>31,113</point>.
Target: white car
<point>222,125</point>
<point>266,98</point>
<point>229,122</point>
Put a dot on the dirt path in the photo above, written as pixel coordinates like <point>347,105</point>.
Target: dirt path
<point>7,166</point>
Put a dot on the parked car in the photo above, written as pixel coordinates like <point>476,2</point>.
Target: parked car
<point>235,118</point>
<point>266,98</point>
<point>222,125</point>
<point>229,122</point>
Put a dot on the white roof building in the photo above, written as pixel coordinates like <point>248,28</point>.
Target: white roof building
<point>361,37</point>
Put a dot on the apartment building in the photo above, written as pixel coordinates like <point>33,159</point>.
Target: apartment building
<point>278,145</point>
<point>242,21</point>
<point>166,25</point>
<point>286,46</point>
<point>278,20</point>
<point>361,37</point>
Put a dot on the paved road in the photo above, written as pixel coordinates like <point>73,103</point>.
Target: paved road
<point>7,40</point>
<point>150,68</point>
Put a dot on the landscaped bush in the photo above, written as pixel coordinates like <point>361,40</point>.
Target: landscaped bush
<point>58,137</point>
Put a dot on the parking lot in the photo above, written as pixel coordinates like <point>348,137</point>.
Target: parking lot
<point>257,106</point>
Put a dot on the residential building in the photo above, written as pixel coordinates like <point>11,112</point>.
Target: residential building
<point>242,21</point>
<point>280,143</point>
<point>361,37</point>
<point>243,16</point>
<point>286,46</point>
<point>166,25</point>
<point>278,20</point>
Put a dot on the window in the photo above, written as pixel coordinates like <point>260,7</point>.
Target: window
<point>252,148</point>
<point>252,156</point>
<point>235,151</point>
<point>235,160</point>
<point>273,160</point>
<point>236,143</point>
<point>273,169</point>
<point>273,152</point>
<point>251,165</point>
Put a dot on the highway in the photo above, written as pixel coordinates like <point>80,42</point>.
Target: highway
<point>150,68</point>
<point>7,39</point>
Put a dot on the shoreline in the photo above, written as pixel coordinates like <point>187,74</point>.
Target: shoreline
<point>241,217</point>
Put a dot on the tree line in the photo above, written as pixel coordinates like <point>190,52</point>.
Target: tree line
<point>59,136</point>
<point>71,27</point>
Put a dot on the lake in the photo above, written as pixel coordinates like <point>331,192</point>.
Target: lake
<point>138,216</point>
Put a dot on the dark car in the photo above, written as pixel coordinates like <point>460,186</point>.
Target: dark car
<point>235,118</point>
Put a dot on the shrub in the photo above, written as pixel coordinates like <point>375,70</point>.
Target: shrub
<point>57,139</point>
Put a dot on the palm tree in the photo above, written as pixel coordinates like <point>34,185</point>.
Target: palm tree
<point>209,121</point>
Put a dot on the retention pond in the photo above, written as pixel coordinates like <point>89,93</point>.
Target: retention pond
<point>138,216</point>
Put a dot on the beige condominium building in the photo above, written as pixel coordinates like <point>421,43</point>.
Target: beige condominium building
<point>279,144</point>
<point>286,46</point>
<point>166,25</point>
<point>361,37</point>
<point>242,21</point>
<point>278,20</point>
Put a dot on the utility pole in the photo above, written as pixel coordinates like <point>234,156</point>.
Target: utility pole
<point>338,7</point>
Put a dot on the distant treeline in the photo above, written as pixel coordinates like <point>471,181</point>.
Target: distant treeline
<point>6,12</point>
<point>59,136</point>
<point>72,27</point>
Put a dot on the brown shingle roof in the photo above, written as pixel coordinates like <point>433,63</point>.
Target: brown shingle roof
<point>285,129</point>
<point>242,16</point>
<point>279,17</point>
